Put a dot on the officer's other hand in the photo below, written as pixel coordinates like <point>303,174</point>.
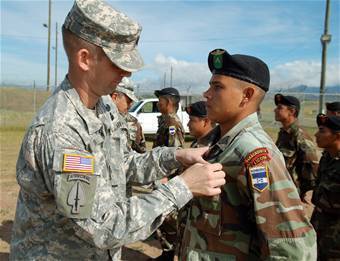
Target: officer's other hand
<point>204,179</point>
<point>187,157</point>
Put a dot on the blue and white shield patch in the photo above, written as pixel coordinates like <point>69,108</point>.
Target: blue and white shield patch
<point>172,130</point>
<point>259,177</point>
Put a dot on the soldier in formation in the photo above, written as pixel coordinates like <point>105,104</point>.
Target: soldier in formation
<point>259,214</point>
<point>73,164</point>
<point>297,147</point>
<point>326,196</point>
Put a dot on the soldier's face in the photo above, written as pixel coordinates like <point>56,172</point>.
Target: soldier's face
<point>123,103</point>
<point>282,112</point>
<point>162,105</point>
<point>196,126</point>
<point>325,138</point>
<point>224,98</point>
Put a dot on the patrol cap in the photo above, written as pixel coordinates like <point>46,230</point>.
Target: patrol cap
<point>98,23</point>
<point>243,67</point>
<point>126,87</point>
<point>331,122</point>
<point>197,109</point>
<point>333,106</point>
<point>167,91</point>
<point>287,100</point>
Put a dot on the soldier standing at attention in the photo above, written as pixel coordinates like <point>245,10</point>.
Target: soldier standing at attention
<point>72,201</point>
<point>170,131</point>
<point>297,147</point>
<point>259,214</point>
<point>123,97</point>
<point>326,196</point>
<point>333,108</point>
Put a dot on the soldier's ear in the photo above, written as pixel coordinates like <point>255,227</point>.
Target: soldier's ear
<point>248,94</point>
<point>83,59</point>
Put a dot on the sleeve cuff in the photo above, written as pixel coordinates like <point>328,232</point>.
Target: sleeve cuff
<point>180,191</point>
<point>168,161</point>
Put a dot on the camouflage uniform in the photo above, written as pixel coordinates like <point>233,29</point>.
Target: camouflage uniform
<point>170,131</point>
<point>62,213</point>
<point>258,215</point>
<point>136,135</point>
<point>300,155</point>
<point>326,215</point>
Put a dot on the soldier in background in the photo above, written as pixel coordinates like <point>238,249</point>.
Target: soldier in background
<point>259,215</point>
<point>170,131</point>
<point>123,97</point>
<point>297,147</point>
<point>326,196</point>
<point>333,108</point>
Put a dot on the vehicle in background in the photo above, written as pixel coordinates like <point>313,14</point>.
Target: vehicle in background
<point>146,111</point>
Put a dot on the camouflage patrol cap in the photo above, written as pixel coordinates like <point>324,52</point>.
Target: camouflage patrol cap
<point>126,87</point>
<point>98,23</point>
<point>243,67</point>
<point>331,122</point>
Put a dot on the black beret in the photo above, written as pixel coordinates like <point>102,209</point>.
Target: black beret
<point>197,109</point>
<point>167,91</point>
<point>287,100</point>
<point>243,67</point>
<point>333,106</point>
<point>331,122</point>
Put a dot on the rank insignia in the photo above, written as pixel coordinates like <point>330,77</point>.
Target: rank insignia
<point>172,130</point>
<point>259,177</point>
<point>78,163</point>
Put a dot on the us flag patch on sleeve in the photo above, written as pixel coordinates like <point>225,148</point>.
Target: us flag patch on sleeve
<point>78,163</point>
<point>259,177</point>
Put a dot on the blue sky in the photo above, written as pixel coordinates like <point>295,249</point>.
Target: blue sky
<point>180,34</point>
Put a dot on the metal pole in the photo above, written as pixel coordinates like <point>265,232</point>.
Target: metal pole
<point>170,76</point>
<point>48,45</point>
<point>325,39</point>
<point>34,97</point>
<point>164,83</point>
<point>56,57</point>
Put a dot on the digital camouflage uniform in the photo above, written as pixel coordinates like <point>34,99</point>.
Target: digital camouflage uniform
<point>170,131</point>
<point>326,215</point>
<point>72,169</point>
<point>300,155</point>
<point>258,215</point>
<point>136,135</point>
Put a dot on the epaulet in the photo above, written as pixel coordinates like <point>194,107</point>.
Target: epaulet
<point>256,163</point>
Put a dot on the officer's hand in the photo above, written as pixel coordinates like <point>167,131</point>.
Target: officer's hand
<point>187,157</point>
<point>204,179</point>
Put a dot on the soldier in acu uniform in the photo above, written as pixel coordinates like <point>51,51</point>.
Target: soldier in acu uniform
<point>333,108</point>
<point>170,131</point>
<point>74,163</point>
<point>296,145</point>
<point>259,214</point>
<point>326,196</point>
<point>123,97</point>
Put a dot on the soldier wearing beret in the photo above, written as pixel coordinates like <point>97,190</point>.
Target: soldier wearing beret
<point>259,214</point>
<point>170,131</point>
<point>333,108</point>
<point>326,196</point>
<point>123,97</point>
<point>74,163</point>
<point>297,147</point>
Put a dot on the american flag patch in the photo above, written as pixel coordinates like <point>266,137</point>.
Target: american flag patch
<point>78,163</point>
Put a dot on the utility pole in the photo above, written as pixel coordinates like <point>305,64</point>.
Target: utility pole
<point>164,82</point>
<point>171,76</point>
<point>325,39</point>
<point>48,45</point>
<point>34,98</point>
<point>56,57</point>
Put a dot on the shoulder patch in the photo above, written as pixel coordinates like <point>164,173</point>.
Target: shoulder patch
<point>78,163</point>
<point>259,177</point>
<point>257,157</point>
<point>172,130</point>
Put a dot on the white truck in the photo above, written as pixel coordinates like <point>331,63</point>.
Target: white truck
<point>146,111</point>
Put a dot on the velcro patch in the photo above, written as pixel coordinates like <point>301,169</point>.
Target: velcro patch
<point>172,130</point>
<point>259,177</point>
<point>78,163</point>
<point>257,157</point>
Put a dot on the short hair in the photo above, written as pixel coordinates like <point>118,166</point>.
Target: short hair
<point>174,99</point>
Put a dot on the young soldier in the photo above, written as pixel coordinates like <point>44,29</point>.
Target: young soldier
<point>170,131</point>
<point>296,145</point>
<point>259,215</point>
<point>326,196</point>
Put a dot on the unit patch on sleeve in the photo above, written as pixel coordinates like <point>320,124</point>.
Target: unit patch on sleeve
<point>172,130</point>
<point>259,177</point>
<point>256,157</point>
<point>78,163</point>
